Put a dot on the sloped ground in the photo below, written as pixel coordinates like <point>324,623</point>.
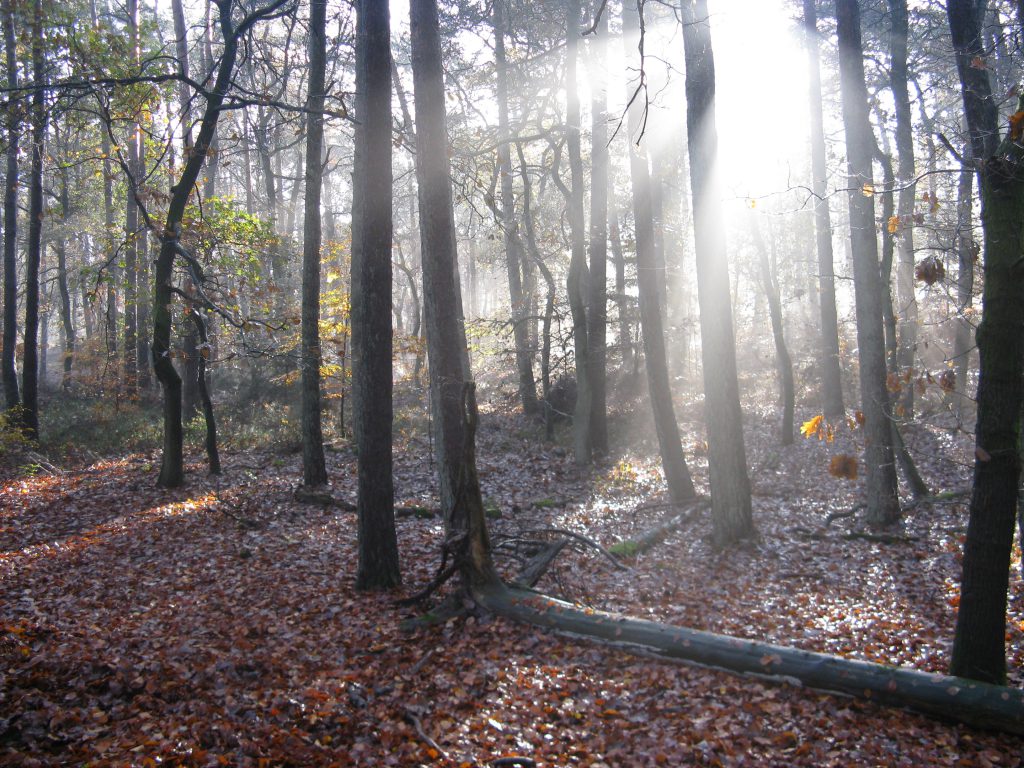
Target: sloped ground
<point>217,624</point>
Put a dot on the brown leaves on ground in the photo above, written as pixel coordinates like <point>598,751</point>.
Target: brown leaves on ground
<point>217,624</point>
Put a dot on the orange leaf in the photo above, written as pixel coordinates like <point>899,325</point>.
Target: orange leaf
<point>1016,125</point>
<point>893,224</point>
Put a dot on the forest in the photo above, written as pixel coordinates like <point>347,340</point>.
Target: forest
<point>512,383</point>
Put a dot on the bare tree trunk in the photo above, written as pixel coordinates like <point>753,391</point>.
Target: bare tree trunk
<point>727,464</point>
<point>966,251</point>
<point>12,392</point>
<point>597,317</point>
<point>314,467</point>
<point>513,245</point>
<point>66,309</point>
<point>131,227</point>
<point>625,339</point>
<point>452,395</point>
<point>378,544</point>
<point>831,377</point>
<point>673,461</point>
<point>768,272</point>
<point>882,501</point>
<point>33,255</point>
<point>979,644</point>
<point>577,283</point>
<point>905,208</point>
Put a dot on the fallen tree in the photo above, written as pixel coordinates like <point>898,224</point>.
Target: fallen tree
<point>981,705</point>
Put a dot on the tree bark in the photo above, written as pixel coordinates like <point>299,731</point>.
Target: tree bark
<point>314,467</point>
<point>131,227</point>
<point>965,251</point>
<point>452,395</point>
<point>12,391</point>
<point>66,308</point>
<point>727,466</point>
<point>378,544</point>
<point>513,249</point>
<point>880,471</point>
<point>905,207</point>
<point>597,316</point>
<point>828,363</point>
<point>783,361</point>
<point>950,698</point>
<point>33,255</point>
<point>578,282</point>
<point>677,474</point>
<point>979,643</point>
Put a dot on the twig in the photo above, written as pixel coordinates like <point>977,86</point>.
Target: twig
<point>423,734</point>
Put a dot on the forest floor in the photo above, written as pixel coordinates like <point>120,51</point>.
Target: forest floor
<point>217,624</point>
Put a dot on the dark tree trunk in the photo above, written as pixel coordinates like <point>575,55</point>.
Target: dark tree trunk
<point>888,253</point>
<point>202,331</point>
<point>33,255</point>
<point>597,316</point>
<point>12,392</point>
<point>905,207</point>
<point>965,250</point>
<point>882,502</point>
<point>727,465</point>
<point>314,467</point>
<point>378,544</point>
<point>513,245</point>
<point>452,395</point>
<point>677,474</point>
<point>979,645</point>
<point>577,283</point>
<point>831,377</point>
<point>172,466</point>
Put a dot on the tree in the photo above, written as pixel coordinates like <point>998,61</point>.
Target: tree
<point>673,461</point>
<point>514,257</point>
<point>12,392</point>
<point>577,282</point>
<point>880,471</point>
<point>378,543</point>
<point>172,467</point>
<point>131,226</point>
<point>828,360</point>
<point>727,465</point>
<point>33,254</point>
<point>979,642</point>
<point>905,206</point>
<point>597,316</point>
<point>314,467</point>
<point>452,395</point>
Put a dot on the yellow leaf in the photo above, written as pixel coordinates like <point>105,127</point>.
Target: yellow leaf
<point>868,190</point>
<point>812,428</point>
<point>893,225</point>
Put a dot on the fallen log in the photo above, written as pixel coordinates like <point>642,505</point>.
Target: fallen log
<point>982,705</point>
<point>654,536</point>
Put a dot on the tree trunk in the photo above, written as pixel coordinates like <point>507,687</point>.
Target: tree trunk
<point>452,395</point>
<point>950,698</point>
<point>131,227</point>
<point>677,474</point>
<point>12,392</point>
<point>831,376</point>
<point>172,466</point>
<point>783,362</point>
<point>979,643</point>
<point>577,283</point>
<point>727,466</point>
<point>625,339</point>
<point>33,255</point>
<point>66,309</point>
<point>966,251</point>
<point>882,502</point>
<point>905,207</point>
<point>888,253</point>
<point>378,544</point>
<point>597,317</point>
<point>202,331</point>
<point>513,245</point>
<point>314,467</point>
